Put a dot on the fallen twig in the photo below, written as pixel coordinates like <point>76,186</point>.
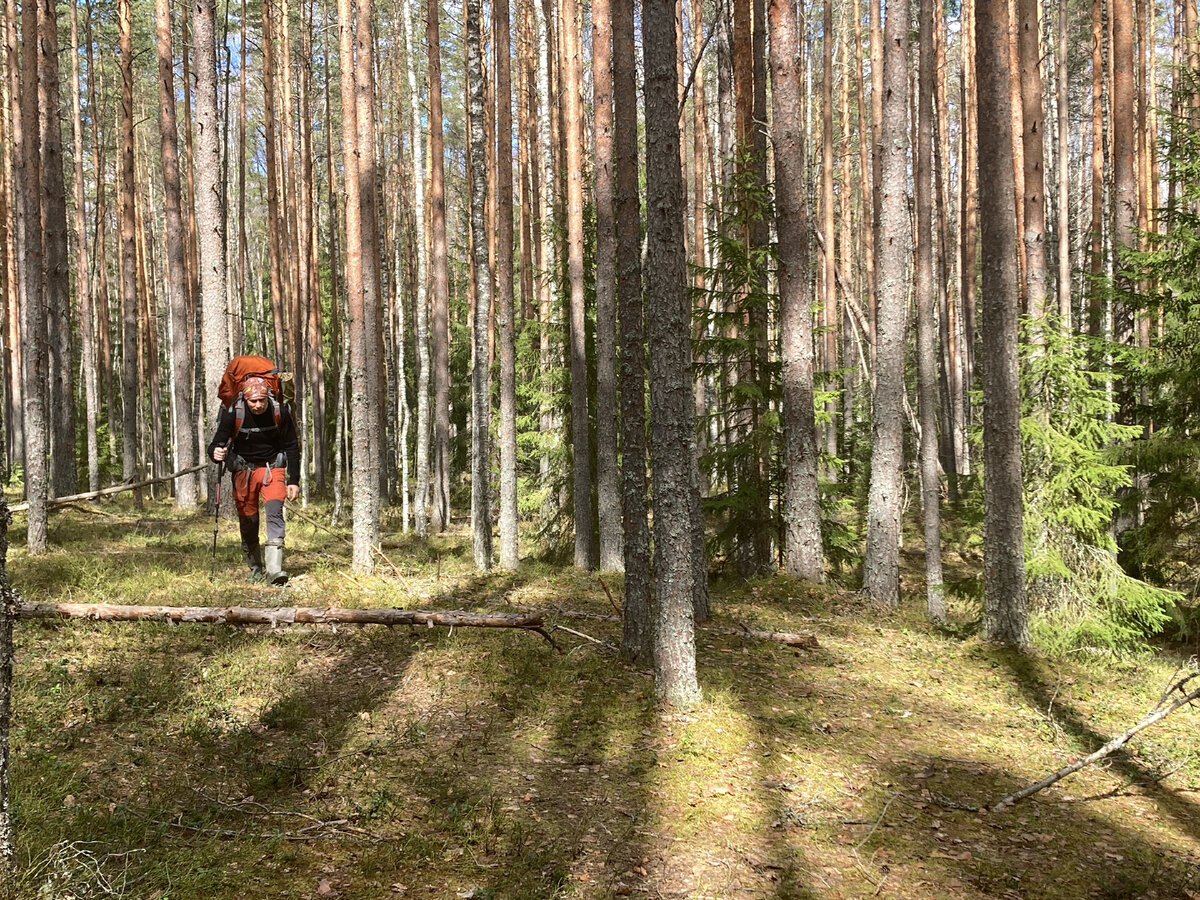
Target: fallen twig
<point>292,511</point>
<point>1157,713</point>
<point>586,637</point>
<point>608,594</point>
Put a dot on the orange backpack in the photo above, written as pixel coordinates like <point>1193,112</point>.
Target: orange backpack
<point>230,389</point>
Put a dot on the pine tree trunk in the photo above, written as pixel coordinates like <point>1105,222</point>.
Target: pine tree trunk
<point>803,552</point>
<point>481,519</point>
<point>439,280</point>
<point>1064,180</point>
<point>969,214</point>
<point>881,566</point>
<point>1033,142</point>
<point>669,331</point>
<point>276,226</point>
<point>61,395</point>
<point>181,347</point>
<point>421,495</point>
<point>927,338</point>
<point>505,312</point>
<point>829,304</point>
<point>363,475</point>
<point>1004,616</point>
<point>637,637</point>
<point>10,205</point>
<point>1124,163</point>
<point>27,178</point>
<point>1096,247</point>
<point>572,86</point>
<point>209,224</point>
<point>128,236</point>
<point>607,474</point>
<point>83,284</point>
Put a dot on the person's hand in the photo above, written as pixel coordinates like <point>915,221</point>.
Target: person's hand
<point>293,491</point>
<point>219,452</point>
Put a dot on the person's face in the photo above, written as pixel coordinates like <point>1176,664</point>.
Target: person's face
<point>257,406</point>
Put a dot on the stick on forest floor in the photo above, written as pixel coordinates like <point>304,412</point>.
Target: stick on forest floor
<point>1157,713</point>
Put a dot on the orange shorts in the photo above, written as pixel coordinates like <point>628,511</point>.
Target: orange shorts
<point>251,484</point>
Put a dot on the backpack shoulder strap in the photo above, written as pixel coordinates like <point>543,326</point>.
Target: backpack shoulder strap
<point>239,414</point>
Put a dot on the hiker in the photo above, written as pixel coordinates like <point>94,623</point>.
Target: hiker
<point>256,438</point>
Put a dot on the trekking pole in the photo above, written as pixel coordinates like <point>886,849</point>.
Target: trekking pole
<point>217,516</point>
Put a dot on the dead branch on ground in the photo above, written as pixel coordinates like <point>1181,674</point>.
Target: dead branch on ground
<point>1157,713</point>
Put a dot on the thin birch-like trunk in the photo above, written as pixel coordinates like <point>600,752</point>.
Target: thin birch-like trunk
<point>927,338</point>
<point>608,506</point>
<point>505,312</point>
<point>83,287</point>
<point>481,519</point>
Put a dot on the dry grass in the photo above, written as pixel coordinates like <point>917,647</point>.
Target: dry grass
<point>200,762</point>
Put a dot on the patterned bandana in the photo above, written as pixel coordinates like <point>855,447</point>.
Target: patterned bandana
<point>254,388</point>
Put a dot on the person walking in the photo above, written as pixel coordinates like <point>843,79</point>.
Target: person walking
<point>256,439</point>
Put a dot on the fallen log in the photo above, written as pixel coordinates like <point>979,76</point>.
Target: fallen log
<point>800,639</point>
<point>115,489</point>
<point>791,638</point>
<point>277,616</point>
<point>1157,713</point>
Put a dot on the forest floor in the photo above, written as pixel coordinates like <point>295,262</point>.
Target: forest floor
<point>197,761</point>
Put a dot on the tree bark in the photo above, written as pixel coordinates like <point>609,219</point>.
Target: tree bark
<point>1033,142</point>
<point>927,338</point>
<point>1064,179</point>
<point>210,232</point>
<point>1004,616</point>
<point>803,552</point>
<point>637,634</point>
<point>669,330</point>
<point>364,478</point>
<point>128,257</point>
<point>60,396</point>
<point>1123,104</point>
<point>608,494</point>
<point>83,282</point>
<point>505,312</point>
<point>27,178</point>
<point>481,517</point>
<point>181,348</point>
<point>572,86</point>
<point>439,278</point>
<point>10,209</point>
<point>881,567</point>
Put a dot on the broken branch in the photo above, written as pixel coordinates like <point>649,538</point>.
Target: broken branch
<point>1157,713</point>
<point>116,489</point>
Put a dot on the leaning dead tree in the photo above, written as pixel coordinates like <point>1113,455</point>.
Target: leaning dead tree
<point>115,489</point>
<point>1172,699</point>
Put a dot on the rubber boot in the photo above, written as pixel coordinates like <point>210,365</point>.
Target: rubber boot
<point>251,551</point>
<point>274,558</point>
<point>253,557</point>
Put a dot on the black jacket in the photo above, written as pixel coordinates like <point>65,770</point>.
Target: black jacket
<point>259,441</point>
